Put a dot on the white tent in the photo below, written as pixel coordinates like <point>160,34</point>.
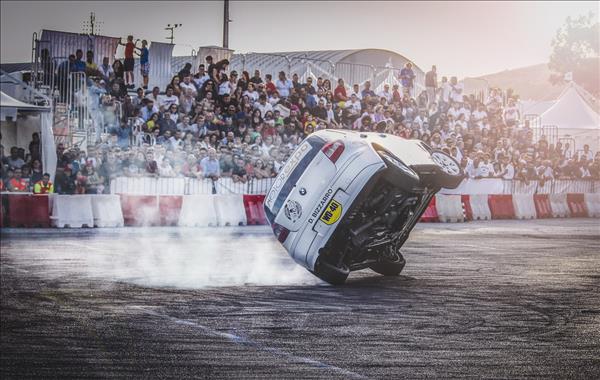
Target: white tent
<point>18,131</point>
<point>574,118</point>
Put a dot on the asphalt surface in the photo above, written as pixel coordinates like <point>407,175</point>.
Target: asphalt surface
<point>501,299</point>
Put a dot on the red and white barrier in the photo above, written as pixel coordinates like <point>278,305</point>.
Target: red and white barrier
<point>576,203</point>
<point>230,210</point>
<point>431,214</point>
<point>449,208</point>
<point>501,206</point>
<point>592,204</point>
<point>543,208</point>
<point>73,211</point>
<point>198,211</point>
<point>480,207</point>
<point>107,211</point>
<point>524,206</point>
<point>559,206</point>
<point>204,210</point>
<point>255,212</point>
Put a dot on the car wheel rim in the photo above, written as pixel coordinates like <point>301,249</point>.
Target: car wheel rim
<point>447,164</point>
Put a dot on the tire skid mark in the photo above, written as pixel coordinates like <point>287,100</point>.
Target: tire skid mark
<point>243,341</point>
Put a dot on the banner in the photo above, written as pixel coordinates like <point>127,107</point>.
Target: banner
<point>160,65</point>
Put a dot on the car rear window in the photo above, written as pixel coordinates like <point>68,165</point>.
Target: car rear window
<point>317,144</point>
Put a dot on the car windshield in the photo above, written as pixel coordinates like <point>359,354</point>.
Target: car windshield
<point>316,144</point>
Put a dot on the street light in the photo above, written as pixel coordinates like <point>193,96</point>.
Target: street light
<point>171,28</point>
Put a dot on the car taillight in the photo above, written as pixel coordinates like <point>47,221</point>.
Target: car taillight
<point>333,150</point>
<point>281,232</point>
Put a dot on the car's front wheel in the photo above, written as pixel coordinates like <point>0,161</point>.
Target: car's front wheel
<point>331,273</point>
<point>390,262</point>
<point>451,174</point>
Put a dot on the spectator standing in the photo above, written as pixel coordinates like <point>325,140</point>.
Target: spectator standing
<point>106,71</point>
<point>129,61</point>
<point>210,165</point>
<point>144,54</point>
<point>407,77</point>
<point>283,85</point>
<point>431,84</point>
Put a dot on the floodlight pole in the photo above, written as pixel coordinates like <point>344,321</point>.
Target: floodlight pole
<point>226,22</point>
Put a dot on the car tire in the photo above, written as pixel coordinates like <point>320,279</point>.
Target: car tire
<point>330,273</point>
<point>390,263</point>
<point>451,175</point>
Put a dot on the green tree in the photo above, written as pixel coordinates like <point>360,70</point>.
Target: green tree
<point>575,49</point>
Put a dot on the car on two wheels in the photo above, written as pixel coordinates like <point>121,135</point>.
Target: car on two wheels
<point>346,201</point>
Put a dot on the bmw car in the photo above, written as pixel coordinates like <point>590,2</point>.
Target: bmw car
<point>346,201</point>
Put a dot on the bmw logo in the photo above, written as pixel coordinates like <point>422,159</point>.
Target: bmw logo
<point>302,191</point>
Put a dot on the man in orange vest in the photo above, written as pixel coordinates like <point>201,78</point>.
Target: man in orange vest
<point>44,186</point>
<point>17,184</point>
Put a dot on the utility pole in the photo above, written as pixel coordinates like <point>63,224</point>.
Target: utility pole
<point>171,28</point>
<point>226,22</point>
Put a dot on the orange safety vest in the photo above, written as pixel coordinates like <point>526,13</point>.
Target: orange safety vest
<point>40,188</point>
<point>20,185</point>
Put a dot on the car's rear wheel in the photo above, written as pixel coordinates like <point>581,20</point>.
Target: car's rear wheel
<point>390,262</point>
<point>331,273</point>
<point>451,174</point>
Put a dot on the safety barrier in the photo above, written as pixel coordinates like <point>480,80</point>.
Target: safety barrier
<point>169,209</point>
<point>480,207</point>
<point>25,210</point>
<point>431,214</point>
<point>107,210</point>
<point>230,210</point>
<point>140,210</point>
<point>255,212</point>
<point>198,211</point>
<point>449,208</point>
<point>592,203</point>
<point>576,203</point>
<point>524,206</point>
<point>501,206</point>
<point>559,206</point>
<point>543,208</point>
<point>74,211</point>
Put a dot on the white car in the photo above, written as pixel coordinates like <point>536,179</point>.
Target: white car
<point>346,201</point>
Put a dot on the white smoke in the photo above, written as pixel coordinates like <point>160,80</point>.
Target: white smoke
<point>189,258</point>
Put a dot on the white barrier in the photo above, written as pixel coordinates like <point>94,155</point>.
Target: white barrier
<point>449,208</point>
<point>524,206</point>
<point>73,211</point>
<point>230,210</point>
<point>592,203</point>
<point>148,186</point>
<point>198,211</point>
<point>107,211</point>
<point>559,205</point>
<point>480,207</point>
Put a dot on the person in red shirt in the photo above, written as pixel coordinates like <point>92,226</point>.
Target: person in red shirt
<point>340,92</point>
<point>270,86</point>
<point>129,61</point>
<point>17,184</point>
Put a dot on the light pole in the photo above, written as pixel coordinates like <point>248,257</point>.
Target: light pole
<point>226,22</point>
<point>171,28</point>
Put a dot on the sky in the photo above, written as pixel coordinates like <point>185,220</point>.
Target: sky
<point>462,38</point>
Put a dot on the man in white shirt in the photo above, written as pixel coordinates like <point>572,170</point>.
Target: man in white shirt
<point>454,111</point>
<point>187,84</point>
<point>479,114</point>
<point>508,170</point>
<point>446,89</point>
<point>201,76</point>
<point>356,91</point>
<point>263,105</point>
<point>456,92</point>
<point>283,85</point>
<point>168,99</point>
<point>385,93</point>
<point>586,153</point>
<point>354,105</point>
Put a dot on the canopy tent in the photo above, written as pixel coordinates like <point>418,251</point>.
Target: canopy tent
<point>574,118</point>
<point>19,131</point>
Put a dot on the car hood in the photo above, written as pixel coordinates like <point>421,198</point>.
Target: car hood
<point>411,152</point>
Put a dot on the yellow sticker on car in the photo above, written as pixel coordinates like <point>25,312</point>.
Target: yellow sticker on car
<point>332,212</point>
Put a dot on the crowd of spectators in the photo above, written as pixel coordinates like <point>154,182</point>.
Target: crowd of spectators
<point>216,122</point>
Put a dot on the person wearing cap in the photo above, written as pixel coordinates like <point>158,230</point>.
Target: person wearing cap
<point>44,186</point>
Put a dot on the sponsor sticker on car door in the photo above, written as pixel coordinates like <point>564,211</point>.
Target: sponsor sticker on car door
<point>332,212</point>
